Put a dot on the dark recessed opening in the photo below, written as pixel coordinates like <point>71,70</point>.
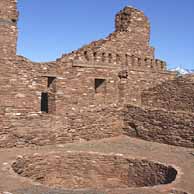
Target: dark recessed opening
<point>14,20</point>
<point>126,58</point>
<point>100,85</point>
<point>47,102</point>
<point>118,58</point>
<point>95,56</point>
<point>139,61</point>
<point>86,55</point>
<point>44,102</point>
<point>110,58</point>
<point>103,57</point>
<point>50,81</point>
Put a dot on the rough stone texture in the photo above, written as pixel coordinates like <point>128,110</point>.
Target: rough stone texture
<point>8,29</point>
<point>173,95</point>
<point>159,125</point>
<point>131,36</point>
<point>124,60</point>
<point>37,129</point>
<point>37,190</point>
<point>90,170</point>
<point>83,96</point>
<point>130,148</point>
<point>177,192</point>
<point>58,191</point>
<point>80,96</point>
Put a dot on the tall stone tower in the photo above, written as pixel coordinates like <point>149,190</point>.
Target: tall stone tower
<point>8,28</point>
<point>134,27</point>
<point>8,41</point>
<point>132,20</point>
<point>131,35</point>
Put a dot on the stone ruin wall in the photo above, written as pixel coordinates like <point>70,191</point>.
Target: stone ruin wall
<point>76,109</point>
<point>88,115</point>
<point>42,129</point>
<point>159,125</point>
<point>173,95</point>
<point>8,29</point>
<point>166,113</point>
<point>131,36</point>
<point>8,39</point>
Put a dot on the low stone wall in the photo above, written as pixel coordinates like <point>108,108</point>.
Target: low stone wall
<point>169,127</point>
<point>46,129</point>
<point>173,95</point>
<point>175,128</point>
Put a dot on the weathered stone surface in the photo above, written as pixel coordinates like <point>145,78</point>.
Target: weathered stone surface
<point>38,129</point>
<point>91,170</point>
<point>8,29</point>
<point>173,95</point>
<point>108,88</point>
<point>81,96</point>
<point>177,192</point>
<point>159,125</point>
<point>131,148</point>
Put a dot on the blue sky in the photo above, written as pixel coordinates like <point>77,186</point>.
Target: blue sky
<point>49,28</point>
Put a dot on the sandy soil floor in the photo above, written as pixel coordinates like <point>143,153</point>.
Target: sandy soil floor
<point>180,158</point>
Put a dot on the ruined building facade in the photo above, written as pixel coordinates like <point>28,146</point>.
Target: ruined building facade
<point>94,92</point>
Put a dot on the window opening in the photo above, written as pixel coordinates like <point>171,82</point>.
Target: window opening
<point>50,81</point>
<point>100,86</point>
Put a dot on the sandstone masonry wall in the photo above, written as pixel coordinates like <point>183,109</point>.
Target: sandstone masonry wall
<point>173,95</point>
<point>80,96</point>
<point>160,125</point>
<point>43,129</point>
<point>131,36</point>
<point>8,29</point>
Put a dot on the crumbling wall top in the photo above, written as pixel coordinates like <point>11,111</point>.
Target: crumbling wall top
<point>130,19</point>
<point>8,10</point>
<point>130,37</point>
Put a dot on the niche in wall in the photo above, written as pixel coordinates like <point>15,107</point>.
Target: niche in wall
<point>100,86</point>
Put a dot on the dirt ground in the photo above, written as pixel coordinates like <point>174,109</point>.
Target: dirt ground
<point>180,158</point>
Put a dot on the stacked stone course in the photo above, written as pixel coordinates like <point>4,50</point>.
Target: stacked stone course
<point>160,125</point>
<point>8,29</point>
<point>173,95</point>
<point>83,94</point>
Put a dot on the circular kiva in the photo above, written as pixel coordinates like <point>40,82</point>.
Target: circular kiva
<point>76,170</point>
